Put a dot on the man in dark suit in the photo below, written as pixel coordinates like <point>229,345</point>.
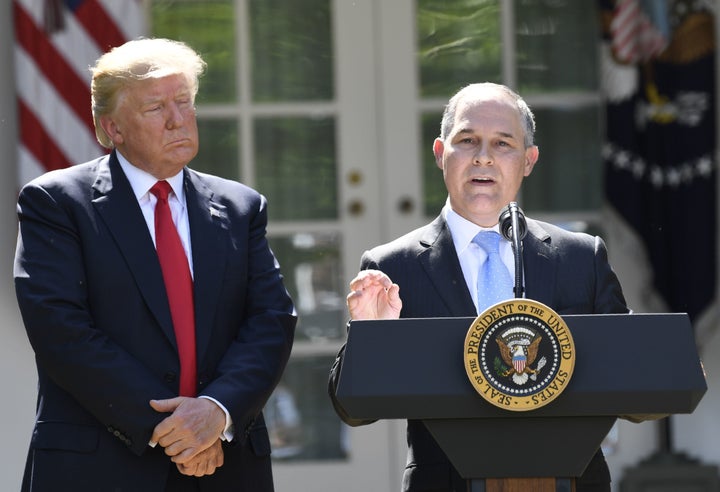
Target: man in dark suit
<point>119,409</point>
<point>485,150</point>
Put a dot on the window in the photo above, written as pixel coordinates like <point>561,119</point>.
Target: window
<point>315,103</point>
<point>544,49</point>
<point>266,117</point>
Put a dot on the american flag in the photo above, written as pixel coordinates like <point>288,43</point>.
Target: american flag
<point>660,155</point>
<point>634,37</point>
<point>56,41</point>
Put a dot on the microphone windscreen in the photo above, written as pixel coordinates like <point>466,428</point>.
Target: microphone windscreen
<point>506,222</point>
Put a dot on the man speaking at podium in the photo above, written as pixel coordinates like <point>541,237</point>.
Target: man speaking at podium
<point>459,264</point>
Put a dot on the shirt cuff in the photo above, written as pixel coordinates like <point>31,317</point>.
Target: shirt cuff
<point>229,431</point>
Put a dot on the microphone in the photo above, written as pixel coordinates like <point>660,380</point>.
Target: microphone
<point>513,227</point>
<point>512,219</point>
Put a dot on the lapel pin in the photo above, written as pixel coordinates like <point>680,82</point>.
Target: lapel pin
<point>215,212</point>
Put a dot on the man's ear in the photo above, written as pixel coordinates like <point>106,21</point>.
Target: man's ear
<point>111,129</point>
<point>438,150</point>
<point>532,154</point>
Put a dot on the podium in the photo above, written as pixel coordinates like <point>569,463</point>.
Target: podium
<point>626,364</point>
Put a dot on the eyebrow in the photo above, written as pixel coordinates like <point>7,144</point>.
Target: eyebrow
<point>156,98</point>
<point>464,131</point>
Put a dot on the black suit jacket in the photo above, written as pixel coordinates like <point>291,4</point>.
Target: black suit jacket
<point>92,297</point>
<point>567,271</point>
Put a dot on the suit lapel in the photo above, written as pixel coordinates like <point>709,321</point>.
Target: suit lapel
<point>439,260</point>
<point>539,259</point>
<point>115,202</point>
<point>209,229</point>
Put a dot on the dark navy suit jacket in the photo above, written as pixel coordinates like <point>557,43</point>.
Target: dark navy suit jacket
<point>567,271</point>
<point>92,297</point>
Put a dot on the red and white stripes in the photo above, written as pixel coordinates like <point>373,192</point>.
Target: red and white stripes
<point>56,43</point>
<point>634,37</point>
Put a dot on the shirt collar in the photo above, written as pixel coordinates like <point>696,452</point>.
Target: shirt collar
<point>141,181</point>
<point>463,231</point>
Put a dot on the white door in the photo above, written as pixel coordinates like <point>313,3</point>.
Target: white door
<point>329,108</point>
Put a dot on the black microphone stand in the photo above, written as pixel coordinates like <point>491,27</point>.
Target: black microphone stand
<point>513,228</point>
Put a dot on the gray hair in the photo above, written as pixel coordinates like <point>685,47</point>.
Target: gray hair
<point>526,116</point>
<point>136,60</point>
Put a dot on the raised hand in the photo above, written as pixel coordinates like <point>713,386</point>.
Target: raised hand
<point>373,296</point>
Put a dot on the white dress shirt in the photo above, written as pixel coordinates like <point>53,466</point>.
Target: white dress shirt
<point>471,255</point>
<point>141,182</point>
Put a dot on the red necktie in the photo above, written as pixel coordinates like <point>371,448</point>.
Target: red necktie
<point>179,286</point>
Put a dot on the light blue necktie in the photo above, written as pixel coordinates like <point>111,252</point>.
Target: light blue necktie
<point>494,281</point>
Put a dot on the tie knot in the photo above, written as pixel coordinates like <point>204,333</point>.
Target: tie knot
<point>161,190</point>
<point>488,241</point>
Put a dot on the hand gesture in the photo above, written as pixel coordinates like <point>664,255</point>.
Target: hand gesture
<point>373,296</point>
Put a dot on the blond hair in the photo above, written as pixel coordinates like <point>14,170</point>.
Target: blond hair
<point>136,60</point>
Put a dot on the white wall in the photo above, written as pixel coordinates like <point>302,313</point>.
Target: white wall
<point>698,435</point>
<point>17,369</point>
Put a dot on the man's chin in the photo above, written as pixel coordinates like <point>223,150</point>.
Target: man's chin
<point>482,212</point>
<point>181,153</point>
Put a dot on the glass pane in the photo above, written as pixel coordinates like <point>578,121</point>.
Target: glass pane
<point>301,421</point>
<point>434,191</point>
<point>219,150</point>
<point>310,263</point>
<point>568,175</point>
<point>556,45</point>
<point>209,27</point>
<point>458,43</point>
<point>295,167</point>
<point>291,47</point>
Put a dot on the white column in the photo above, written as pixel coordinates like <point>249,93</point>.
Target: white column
<point>17,370</point>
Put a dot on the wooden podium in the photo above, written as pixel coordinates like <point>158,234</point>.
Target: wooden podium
<point>626,364</point>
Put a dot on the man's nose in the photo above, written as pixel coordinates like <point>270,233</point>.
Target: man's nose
<point>482,156</point>
<point>175,116</point>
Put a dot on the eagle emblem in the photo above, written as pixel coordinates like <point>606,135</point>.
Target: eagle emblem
<point>519,349</point>
<point>519,355</point>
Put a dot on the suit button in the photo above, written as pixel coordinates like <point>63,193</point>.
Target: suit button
<point>170,377</point>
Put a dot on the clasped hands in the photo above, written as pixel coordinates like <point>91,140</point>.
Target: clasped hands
<point>191,434</point>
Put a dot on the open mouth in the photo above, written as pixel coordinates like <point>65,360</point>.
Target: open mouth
<point>483,180</point>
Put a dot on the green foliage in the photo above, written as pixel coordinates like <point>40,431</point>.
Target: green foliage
<point>209,27</point>
<point>295,167</point>
<point>500,368</point>
<point>291,50</point>
<point>459,43</point>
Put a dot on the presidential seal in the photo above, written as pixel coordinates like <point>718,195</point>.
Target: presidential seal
<point>519,355</point>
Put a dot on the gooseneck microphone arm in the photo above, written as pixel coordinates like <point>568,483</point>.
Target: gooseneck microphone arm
<point>513,228</point>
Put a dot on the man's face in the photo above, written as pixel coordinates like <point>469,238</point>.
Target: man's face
<point>484,158</point>
<point>154,125</point>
